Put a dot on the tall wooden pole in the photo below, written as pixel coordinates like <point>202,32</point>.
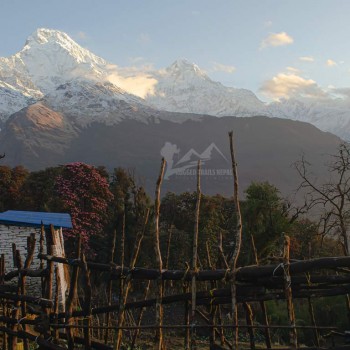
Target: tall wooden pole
<point>72,296</point>
<point>237,240</point>
<point>159,307</point>
<point>288,293</point>
<point>195,255</point>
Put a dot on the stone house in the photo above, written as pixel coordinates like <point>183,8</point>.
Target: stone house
<point>16,226</point>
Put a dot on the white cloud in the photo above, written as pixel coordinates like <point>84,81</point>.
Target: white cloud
<point>307,59</point>
<point>134,80</point>
<point>277,39</point>
<point>140,85</point>
<point>286,85</point>
<point>331,63</point>
<point>219,67</point>
<point>293,69</point>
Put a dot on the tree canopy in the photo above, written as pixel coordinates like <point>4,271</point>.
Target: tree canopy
<point>85,194</point>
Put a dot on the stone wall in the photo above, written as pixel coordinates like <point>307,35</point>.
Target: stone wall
<point>18,235</point>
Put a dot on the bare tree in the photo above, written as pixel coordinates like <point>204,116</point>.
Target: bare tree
<point>332,197</point>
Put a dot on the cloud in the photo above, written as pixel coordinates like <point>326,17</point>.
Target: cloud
<point>139,85</point>
<point>331,63</point>
<point>277,39</point>
<point>286,85</point>
<point>293,69</point>
<point>219,67</point>
<point>307,59</point>
<point>133,79</point>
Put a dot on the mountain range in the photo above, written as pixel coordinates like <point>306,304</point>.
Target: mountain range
<point>61,103</point>
<point>50,58</point>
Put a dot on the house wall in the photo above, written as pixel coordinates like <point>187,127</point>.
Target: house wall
<point>18,235</point>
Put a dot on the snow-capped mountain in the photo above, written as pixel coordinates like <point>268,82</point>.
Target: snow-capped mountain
<point>88,101</point>
<point>11,100</point>
<point>184,87</point>
<point>48,60</point>
<point>53,68</point>
<point>51,59</point>
<point>332,115</point>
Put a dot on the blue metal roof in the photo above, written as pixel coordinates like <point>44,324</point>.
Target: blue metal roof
<point>35,219</point>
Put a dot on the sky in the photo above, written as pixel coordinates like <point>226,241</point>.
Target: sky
<point>276,48</point>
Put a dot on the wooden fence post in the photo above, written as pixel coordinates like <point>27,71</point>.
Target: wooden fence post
<point>72,296</point>
<point>237,240</point>
<point>159,307</point>
<point>288,293</point>
<point>195,256</point>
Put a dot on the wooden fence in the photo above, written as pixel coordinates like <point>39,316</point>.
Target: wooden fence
<point>38,320</point>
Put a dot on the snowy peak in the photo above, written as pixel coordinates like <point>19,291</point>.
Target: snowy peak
<point>183,66</point>
<point>54,39</point>
<point>50,58</point>
<point>185,74</point>
<point>72,78</point>
<point>184,87</point>
<point>44,35</point>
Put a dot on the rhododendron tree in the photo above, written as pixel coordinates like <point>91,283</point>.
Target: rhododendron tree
<point>85,194</point>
